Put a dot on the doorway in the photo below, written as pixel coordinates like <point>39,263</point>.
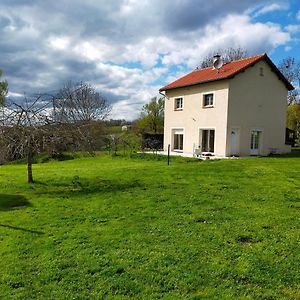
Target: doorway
<point>234,141</point>
<point>207,140</point>
<point>255,142</point>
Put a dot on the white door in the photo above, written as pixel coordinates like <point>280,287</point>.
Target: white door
<point>234,139</point>
<point>255,142</point>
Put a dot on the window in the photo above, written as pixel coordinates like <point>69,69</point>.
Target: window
<point>208,100</point>
<point>178,103</point>
<point>178,139</point>
<point>208,140</point>
<point>261,71</point>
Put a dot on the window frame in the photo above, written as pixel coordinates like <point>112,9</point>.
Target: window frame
<point>260,141</point>
<point>204,98</point>
<point>182,132</point>
<point>182,101</point>
<point>201,129</point>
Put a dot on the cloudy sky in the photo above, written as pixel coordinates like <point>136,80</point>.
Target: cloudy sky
<point>128,49</point>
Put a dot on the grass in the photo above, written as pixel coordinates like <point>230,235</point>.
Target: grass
<point>120,228</point>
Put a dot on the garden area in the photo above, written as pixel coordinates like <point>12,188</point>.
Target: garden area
<point>133,227</point>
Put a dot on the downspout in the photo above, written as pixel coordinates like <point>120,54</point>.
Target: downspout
<point>162,94</point>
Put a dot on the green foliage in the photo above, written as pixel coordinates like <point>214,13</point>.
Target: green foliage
<point>103,228</point>
<point>152,117</point>
<point>293,117</point>
<point>124,143</point>
<point>3,90</point>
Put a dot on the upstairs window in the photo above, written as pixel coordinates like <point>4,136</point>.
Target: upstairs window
<point>208,100</point>
<point>178,104</point>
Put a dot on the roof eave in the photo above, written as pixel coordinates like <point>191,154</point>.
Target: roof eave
<point>192,84</point>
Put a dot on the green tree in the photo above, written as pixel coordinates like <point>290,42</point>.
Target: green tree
<point>152,117</point>
<point>290,68</point>
<point>293,118</point>
<point>3,90</point>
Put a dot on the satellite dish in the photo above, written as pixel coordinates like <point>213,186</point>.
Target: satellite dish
<point>217,62</point>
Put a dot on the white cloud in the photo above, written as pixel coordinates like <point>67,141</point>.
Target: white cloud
<point>298,15</point>
<point>287,48</point>
<point>132,85</point>
<point>124,47</point>
<point>59,43</point>
<point>11,94</point>
<point>271,8</point>
<point>232,31</point>
<point>293,28</point>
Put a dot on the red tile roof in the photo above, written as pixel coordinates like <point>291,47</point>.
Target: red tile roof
<point>227,71</point>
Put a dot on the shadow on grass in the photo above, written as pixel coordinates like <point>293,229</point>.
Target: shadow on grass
<point>21,229</point>
<point>104,186</point>
<point>293,154</point>
<point>160,157</point>
<point>77,186</point>
<point>8,202</point>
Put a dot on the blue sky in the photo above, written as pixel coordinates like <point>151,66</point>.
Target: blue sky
<point>128,49</point>
<point>288,17</point>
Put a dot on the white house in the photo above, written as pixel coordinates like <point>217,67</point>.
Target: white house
<point>235,109</point>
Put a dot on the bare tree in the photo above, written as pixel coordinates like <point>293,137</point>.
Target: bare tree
<point>24,128</point>
<point>80,103</point>
<point>291,70</point>
<point>228,55</point>
<point>80,110</point>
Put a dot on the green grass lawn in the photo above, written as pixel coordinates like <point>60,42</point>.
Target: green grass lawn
<point>120,228</point>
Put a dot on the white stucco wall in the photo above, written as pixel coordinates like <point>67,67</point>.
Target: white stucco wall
<point>258,102</point>
<point>246,102</point>
<point>194,117</point>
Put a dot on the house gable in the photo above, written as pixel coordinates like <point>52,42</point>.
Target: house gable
<point>257,100</point>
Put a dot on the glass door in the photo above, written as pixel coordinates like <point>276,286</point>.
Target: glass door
<point>208,140</point>
<point>255,142</point>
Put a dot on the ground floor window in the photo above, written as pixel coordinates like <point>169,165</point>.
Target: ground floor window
<point>208,140</point>
<point>178,139</point>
